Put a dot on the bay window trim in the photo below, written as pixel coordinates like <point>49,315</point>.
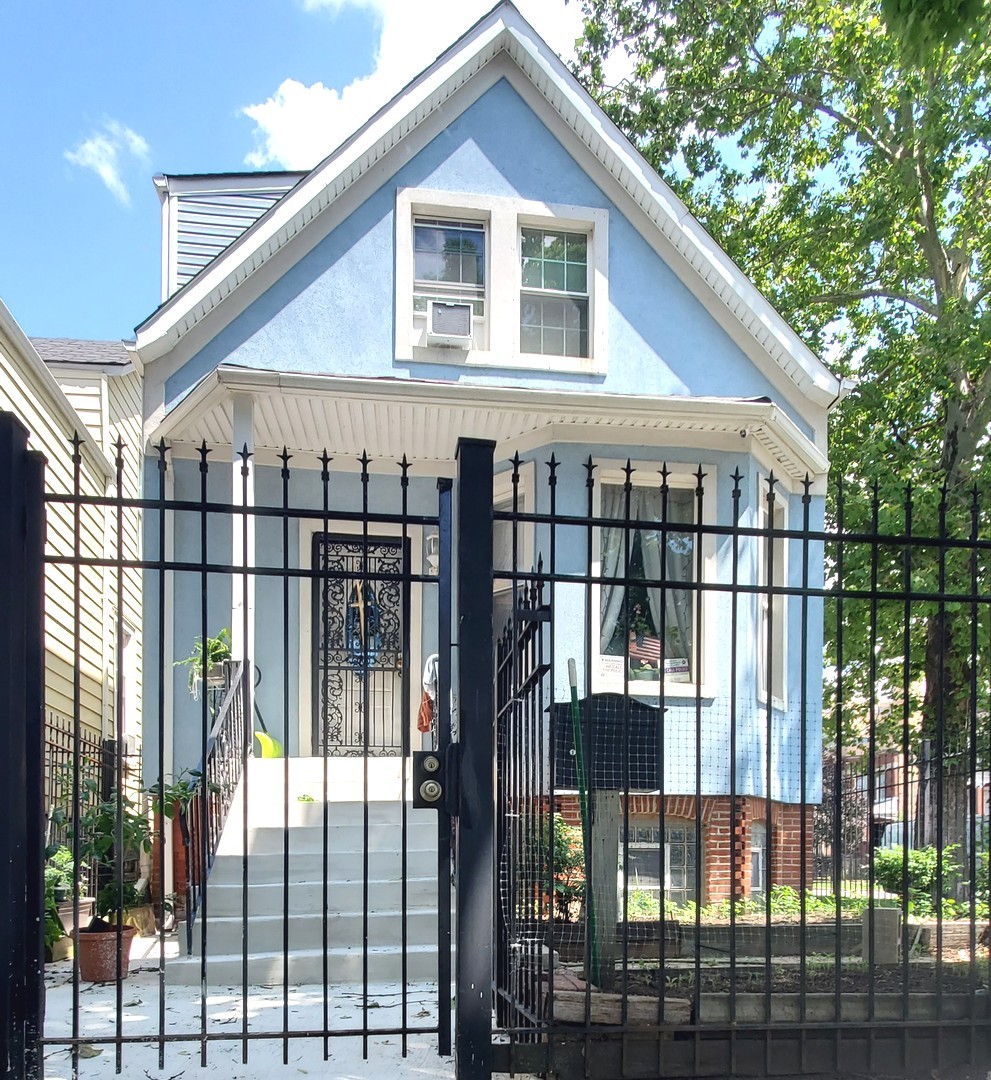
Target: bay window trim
<point>780,668</point>
<point>502,494</point>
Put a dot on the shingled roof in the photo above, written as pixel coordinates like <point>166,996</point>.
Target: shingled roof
<point>75,351</point>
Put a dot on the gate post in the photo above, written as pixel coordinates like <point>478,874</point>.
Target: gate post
<point>21,764</point>
<point>475,887</point>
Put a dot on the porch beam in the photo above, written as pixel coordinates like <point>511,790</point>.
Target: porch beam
<point>243,526</point>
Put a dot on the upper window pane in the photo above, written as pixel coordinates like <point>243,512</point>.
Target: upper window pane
<point>555,260</point>
<point>450,252</point>
<point>554,303</point>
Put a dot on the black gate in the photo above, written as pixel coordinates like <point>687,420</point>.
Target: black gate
<point>639,892</point>
<point>280,900</point>
<point>666,904</point>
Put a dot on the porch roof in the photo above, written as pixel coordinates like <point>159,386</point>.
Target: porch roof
<point>422,419</point>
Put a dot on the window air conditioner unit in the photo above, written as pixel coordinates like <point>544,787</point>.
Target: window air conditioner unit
<point>449,323</point>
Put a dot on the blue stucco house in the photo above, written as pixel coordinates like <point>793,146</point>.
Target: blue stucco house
<point>487,256</point>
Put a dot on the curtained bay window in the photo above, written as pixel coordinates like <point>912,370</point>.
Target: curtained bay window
<point>654,623</point>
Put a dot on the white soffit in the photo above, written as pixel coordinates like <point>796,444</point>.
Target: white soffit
<point>389,418</point>
<point>502,30</point>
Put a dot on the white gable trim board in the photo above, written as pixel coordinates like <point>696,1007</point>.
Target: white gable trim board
<point>44,385</point>
<point>708,271</point>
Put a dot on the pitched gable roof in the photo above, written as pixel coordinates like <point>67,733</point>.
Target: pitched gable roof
<point>503,31</point>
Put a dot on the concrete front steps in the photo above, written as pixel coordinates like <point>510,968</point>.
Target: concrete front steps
<point>353,905</point>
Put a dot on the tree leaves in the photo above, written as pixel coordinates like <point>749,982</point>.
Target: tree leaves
<point>846,168</point>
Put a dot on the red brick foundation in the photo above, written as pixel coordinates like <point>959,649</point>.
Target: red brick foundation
<point>784,842</point>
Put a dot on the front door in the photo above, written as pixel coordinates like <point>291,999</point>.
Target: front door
<point>359,642</point>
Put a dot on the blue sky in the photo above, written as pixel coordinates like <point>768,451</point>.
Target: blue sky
<point>97,98</point>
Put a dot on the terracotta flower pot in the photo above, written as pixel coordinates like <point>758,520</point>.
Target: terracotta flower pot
<point>98,954</point>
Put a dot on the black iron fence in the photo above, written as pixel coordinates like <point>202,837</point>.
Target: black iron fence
<point>330,886</point>
<point>681,892</point>
<point>22,763</point>
<point>737,823</point>
<point>95,757</point>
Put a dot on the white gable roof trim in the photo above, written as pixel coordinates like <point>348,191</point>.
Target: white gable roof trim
<point>44,383</point>
<point>502,30</point>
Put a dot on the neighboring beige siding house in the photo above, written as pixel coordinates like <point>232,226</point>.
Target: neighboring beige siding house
<point>101,383</point>
<point>105,406</point>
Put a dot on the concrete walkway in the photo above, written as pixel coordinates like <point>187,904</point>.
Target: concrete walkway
<point>140,1013</point>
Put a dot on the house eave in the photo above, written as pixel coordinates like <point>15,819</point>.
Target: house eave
<point>310,414</point>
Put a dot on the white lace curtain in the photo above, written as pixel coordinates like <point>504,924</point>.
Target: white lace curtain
<point>645,506</point>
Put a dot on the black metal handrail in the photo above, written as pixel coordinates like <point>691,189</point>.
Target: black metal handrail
<point>202,819</point>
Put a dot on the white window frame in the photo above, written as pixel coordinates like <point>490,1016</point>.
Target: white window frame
<point>653,845</point>
<point>778,700</point>
<point>761,827</point>
<point>646,474</point>
<point>504,218</point>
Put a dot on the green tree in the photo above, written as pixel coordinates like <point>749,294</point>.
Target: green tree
<point>845,167</point>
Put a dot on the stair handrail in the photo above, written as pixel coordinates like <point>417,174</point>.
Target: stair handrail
<point>218,775</point>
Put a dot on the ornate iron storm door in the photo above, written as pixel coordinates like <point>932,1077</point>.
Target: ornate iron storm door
<point>360,639</point>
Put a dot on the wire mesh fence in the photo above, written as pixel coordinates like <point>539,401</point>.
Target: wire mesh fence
<point>742,775</point>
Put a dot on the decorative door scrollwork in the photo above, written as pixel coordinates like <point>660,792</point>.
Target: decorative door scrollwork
<point>358,645</point>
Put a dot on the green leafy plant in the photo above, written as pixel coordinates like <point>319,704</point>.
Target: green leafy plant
<point>53,928</point>
<point>639,623</point>
<point>568,868</point>
<point>169,798</point>
<point>60,872</point>
<point>215,651</point>
<point>642,905</point>
<point>923,865</point>
<point>106,830</point>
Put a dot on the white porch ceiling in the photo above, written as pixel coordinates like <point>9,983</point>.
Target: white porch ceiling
<point>388,418</point>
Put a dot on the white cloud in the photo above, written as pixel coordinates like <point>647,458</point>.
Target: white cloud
<point>299,125</point>
<point>102,152</point>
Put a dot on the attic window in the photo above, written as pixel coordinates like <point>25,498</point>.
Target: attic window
<point>466,294</point>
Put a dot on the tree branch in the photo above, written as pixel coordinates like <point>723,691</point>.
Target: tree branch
<point>841,298</point>
<point>887,152</point>
<point>930,242</point>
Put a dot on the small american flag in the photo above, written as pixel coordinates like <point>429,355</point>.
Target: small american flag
<point>647,649</point>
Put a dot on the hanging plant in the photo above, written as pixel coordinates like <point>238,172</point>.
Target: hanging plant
<point>213,654</point>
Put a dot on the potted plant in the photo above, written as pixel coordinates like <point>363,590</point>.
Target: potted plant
<point>172,800</point>
<point>62,884</point>
<point>107,830</point>
<point>212,653</point>
<point>56,940</point>
<point>60,873</point>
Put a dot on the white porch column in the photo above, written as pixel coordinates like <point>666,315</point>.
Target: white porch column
<point>243,546</point>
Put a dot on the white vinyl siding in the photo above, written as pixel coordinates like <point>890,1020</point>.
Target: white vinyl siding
<point>86,396</point>
<point>124,414</point>
<point>50,433</point>
<point>203,216</point>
